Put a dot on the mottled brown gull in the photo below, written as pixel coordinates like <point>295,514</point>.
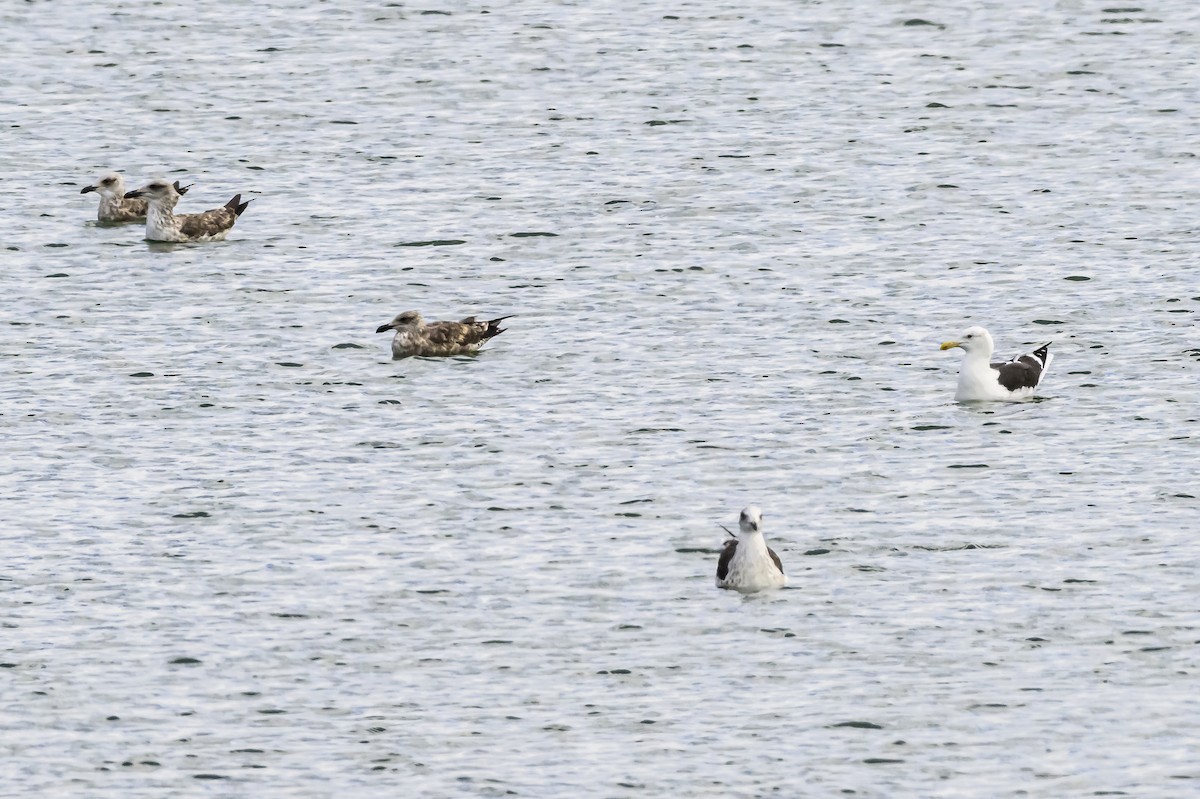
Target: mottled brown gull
<point>416,337</point>
<point>163,224</point>
<point>980,380</point>
<point>747,564</point>
<point>113,205</point>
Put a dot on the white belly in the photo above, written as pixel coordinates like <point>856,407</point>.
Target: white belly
<point>751,574</point>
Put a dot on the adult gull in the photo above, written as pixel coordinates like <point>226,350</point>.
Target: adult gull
<point>980,380</point>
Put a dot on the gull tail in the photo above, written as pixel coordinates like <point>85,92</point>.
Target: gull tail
<point>236,205</point>
<point>1042,353</point>
<point>493,326</point>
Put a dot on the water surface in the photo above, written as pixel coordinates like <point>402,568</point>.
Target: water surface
<point>245,552</point>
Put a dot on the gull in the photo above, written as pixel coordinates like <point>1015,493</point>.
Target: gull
<point>981,380</point>
<point>415,337</point>
<point>113,205</point>
<point>162,224</point>
<point>747,564</point>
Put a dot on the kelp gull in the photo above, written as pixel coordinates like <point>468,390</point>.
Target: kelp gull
<point>747,564</point>
<point>980,380</point>
<point>162,224</point>
<point>416,337</point>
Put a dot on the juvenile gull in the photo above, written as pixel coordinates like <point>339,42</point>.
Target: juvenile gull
<point>747,564</point>
<point>981,380</point>
<point>113,205</point>
<point>415,337</point>
<point>162,224</point>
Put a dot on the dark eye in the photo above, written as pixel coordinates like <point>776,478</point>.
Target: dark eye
<point>107,181</point>
<point>970,335</point>
<point>158,187</point>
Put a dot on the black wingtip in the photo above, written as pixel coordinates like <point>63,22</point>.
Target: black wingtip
<point>236,205</point>
<point>493,328</point>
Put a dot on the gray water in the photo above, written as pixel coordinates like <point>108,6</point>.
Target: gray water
<point>246,554</point>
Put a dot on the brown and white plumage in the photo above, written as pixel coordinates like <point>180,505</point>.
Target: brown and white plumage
<point>416,337</point>
<point>746,563</point>
<point>163,224</point>
<point>113,205</point>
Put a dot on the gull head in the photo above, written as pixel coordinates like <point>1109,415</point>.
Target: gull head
<point>156,190</point>
<point>750,521</point>
<point>111,185</point>
<point>973,340</point>
<point>405,319</point>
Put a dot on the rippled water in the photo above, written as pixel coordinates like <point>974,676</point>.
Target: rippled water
<point>247,554</point>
